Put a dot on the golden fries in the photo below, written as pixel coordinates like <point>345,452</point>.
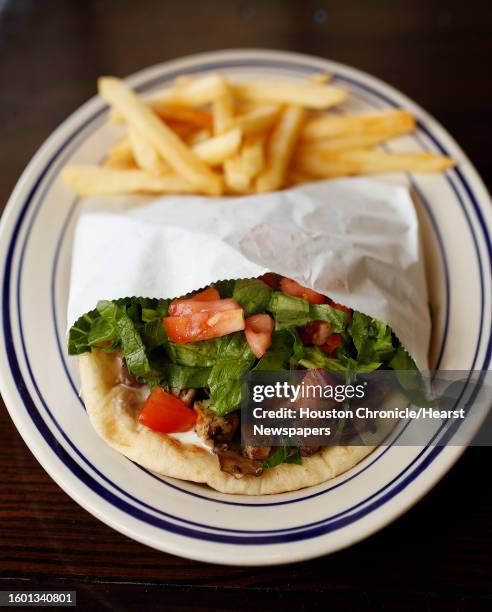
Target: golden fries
<point>216,150</point>
<point>308,94</point>
<point>88,180</point>
<point>258,119</point>
<point>240,170</point>
<point>223,111</point>
<point>173,113</point>
<point>120,156</point>
<point>210,135</point>
<point>335,126</point>
<point>363,161</point>
<point>195,92</point>
<point>170,147</point>
<point>145,155</point>
<point>279,149</point>
<point>361,140</point>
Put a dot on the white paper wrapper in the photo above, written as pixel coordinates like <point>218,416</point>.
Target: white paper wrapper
<point>354,240</point>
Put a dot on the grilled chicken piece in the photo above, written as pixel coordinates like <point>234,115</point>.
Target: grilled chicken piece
<point>258,453</point>
<point>212,428</point>
<point>185,395</point>
<point>237,465</point>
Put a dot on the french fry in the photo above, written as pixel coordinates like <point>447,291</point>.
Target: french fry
<point>216,150</point>
<point>223,111</point>
<point>145,155</point>
<point>196,137</point>
<point>257,119</point>
<point>279,150</point>
<point>364,161</point>
<point>172,114</point>
<point>236,180</point>
<point>310,95</point>
<point>194,92</point>
<point>240,170</point>
<point>88,180</point>
<point>336,126</point>
<point>184,130</point>
<point>120,156</point>
<point>196,117</point>
<point>362,140</point>
<point>169,146</point>
<point>253,155</point>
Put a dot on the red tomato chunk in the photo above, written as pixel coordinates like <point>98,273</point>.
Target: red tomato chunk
<point>203,325</point>
<point>258,331</point>
<point>165,413</point>
<point>290,287</point>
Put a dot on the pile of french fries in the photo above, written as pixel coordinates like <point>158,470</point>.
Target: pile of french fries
<point>209,135</point>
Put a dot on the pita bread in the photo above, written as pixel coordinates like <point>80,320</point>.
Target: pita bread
<point>113,411</point>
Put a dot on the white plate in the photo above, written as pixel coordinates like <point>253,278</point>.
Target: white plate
<point>40,384</point>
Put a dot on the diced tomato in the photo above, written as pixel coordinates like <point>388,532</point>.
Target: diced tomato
<point>340,307</point>
<point>203,325</point>
<point>271,279</point>
<point>332,343</point>
<point>207,295</point>
<point>165,413</point>
<point>290,287</point>
<point>315,332</point>
<point>188,307</point>
<point>258,331</point>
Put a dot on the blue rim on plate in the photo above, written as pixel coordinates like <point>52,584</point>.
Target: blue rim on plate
<point>188,528</point>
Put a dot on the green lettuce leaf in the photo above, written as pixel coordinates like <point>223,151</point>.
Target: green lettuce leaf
<point>278,355</point>
<point>324,312</point>
<point>252,294</point>
<point>284,454</point>
<point>288,311</point>
<point>184,377</point>
<point>78,336</point>
<point>225,385</point>
<point>315,358</point>
<point>153,334</point>
<point>225,288</point>
<point>225,377</point>
<point>131,343</point>
<point>372,339</point>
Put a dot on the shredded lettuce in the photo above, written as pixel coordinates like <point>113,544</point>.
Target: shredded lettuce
<point>125,329</point>
<point>278,355</point>
<point>225,377</point>
<point>225,288</point>
<point>372,339</point>
<point>284,454</point>
<point>78,336</point>
<point>252,294</point>
<point>288,311</point>
<point>324,312</point>
<point>315,358</point>
<point>225,384</point>
<point>185,377</point>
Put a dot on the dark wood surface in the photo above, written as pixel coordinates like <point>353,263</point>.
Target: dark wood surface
<point>438,555</point>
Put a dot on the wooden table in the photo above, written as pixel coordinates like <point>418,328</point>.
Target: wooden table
<point>439,553</point>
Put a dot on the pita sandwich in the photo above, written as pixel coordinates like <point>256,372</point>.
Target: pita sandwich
<point>161,378</point>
